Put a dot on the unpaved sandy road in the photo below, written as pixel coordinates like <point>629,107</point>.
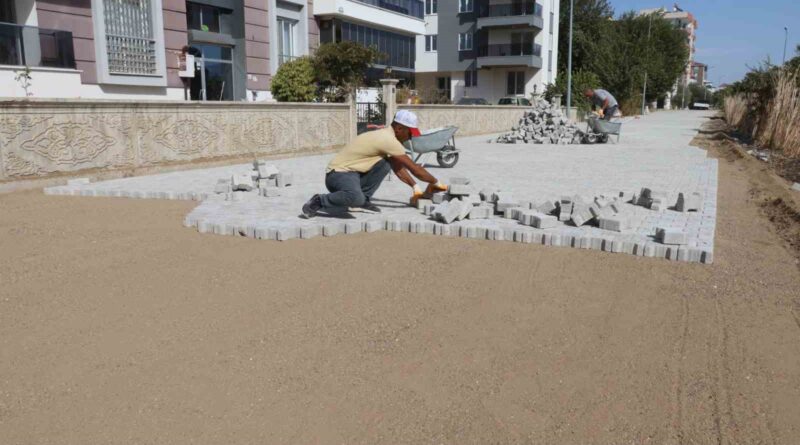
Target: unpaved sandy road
<point>117,325</point>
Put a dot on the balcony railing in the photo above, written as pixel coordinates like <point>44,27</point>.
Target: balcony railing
<point>31,46</point>
<point>510,9</point>
<point>510,50</point>
<point>413,8</point>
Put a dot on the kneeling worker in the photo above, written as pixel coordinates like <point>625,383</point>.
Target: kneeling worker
<point>604,101</point>
<point>356,172</point>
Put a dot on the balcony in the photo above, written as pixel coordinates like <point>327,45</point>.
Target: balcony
<point>35,47</point>
<point>412,8</point>
<point>514,14</point>
<point>401,16</point>
<point>509,55</point>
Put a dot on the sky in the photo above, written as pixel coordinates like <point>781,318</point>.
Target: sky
<point>734,34</point>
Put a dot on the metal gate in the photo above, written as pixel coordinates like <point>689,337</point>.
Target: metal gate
<point>370,116</point>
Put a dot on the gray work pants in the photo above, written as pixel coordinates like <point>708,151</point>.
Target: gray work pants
<point>352,189</point>
<point>609,112</point>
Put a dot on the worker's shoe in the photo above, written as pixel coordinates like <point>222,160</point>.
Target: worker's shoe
<point>370,207</point>
<point>312,206</point>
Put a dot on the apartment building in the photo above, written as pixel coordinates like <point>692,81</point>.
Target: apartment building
<point>488,48</point>
<point>136,49</point>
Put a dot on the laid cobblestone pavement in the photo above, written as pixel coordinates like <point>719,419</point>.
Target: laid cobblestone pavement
<point>654,152</point>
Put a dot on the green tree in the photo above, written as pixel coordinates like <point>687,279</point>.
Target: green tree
<point>341,68</point>
<point>591,25</point>
<point>581,80</point>
<point>295,81</point>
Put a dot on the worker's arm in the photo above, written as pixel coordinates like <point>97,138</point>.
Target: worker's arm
<point>402,173</point>
<point>400,163</point>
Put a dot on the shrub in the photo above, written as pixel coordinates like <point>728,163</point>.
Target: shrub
<point>581,80</point>
<point>294,81</point>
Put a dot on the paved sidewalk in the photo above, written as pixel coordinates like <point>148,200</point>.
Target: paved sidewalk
<point>654,152</point>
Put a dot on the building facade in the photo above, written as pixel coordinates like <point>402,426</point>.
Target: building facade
<point>137,49</point>
<point>133,49</point>
<point>488,48</point>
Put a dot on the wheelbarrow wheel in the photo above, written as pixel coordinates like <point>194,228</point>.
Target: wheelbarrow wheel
<point>591,138</point>
<point>447,159</point>
<point>603,138</point>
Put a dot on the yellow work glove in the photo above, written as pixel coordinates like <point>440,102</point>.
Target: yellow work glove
<point>434,188</point>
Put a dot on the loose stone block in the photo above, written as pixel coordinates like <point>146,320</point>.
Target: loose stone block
<point>270,192</point>
<point>505,201</point>
<point>564,209</point>
<point>421,203</point>
<point>480,212</point>
<point>242,181</point>
<point>689,202</point>
<point>542,221</point>
<point>428,209</point>
<point>614,223</point>
<point>581,215</point>
<point>458,190</point>
<point>439,197</point>
<point>284,179</point>
<point>602,202</point>
<point>459,181</point>
<point>451,211</point>
<point>546,207</point>
<point>488,195</point>
<point>267,183</point>
<point>466,207</point>
<point>671,236</point>
<point>266,171</point>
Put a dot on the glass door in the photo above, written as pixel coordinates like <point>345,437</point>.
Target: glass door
<point>285,40</point>
<point>213,73</point>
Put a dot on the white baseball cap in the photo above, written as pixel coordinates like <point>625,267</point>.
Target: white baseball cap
<point>409,119</point>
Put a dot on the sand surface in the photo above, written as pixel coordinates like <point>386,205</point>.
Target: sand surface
<point>118,325</point>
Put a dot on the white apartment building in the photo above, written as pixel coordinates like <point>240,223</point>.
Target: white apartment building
<point>488,49</point>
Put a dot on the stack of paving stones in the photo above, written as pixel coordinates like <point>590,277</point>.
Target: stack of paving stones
<point>544,124</point>
<point>264,179</point>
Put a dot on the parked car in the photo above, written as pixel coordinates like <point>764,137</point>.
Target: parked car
<point>699,106</point>
<point>518,101</point>
<point>472,101</point>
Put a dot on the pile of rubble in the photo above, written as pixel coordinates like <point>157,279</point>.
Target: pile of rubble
<point>611,213</point>
<point>265,179</point>
<point>544,124</point>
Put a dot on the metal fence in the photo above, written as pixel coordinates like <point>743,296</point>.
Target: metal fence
<point>370,115</point>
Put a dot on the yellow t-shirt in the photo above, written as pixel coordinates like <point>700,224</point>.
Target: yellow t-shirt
<point>366,150</point>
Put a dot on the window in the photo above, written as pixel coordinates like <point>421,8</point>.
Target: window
<point>399,50</point>
<point>286,45</point>
<point>471,78</point>
<point>465,41</point>
<point>430,43</point>
<point>431,7</point>
<point>130,40</point>
<point>444,85</point>
<point>202,17</point>
<point>516,83</point>
<point>465,5</point>
<point>550,60</point>
<point>552,20</point>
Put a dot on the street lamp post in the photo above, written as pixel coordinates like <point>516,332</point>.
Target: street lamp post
<point>569,60</point>
<point>785,41</point>
<point>644,87</point>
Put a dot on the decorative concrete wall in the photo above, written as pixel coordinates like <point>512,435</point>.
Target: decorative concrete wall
<point>41,138</point>
<point>470,119</point>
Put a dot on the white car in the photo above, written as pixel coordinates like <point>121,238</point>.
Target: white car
<point>700,106</point>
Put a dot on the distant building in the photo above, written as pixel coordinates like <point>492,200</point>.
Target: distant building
<point>488,48</point>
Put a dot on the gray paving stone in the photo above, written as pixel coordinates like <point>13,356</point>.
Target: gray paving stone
<point>459,190</point>
<point>653,154</point>
<point>671,235</point>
